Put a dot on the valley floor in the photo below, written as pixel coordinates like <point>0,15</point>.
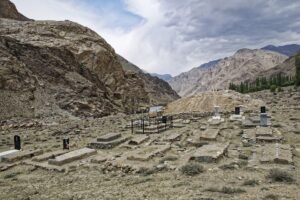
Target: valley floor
<point>229,178</point>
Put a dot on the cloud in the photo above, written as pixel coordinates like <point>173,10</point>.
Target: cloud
<point>172,36</point>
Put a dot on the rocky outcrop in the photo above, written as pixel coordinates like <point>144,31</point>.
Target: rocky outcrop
<point>159,91</point>
<point>9,11</point>
<point>244,64</point>
<point>50,67</point>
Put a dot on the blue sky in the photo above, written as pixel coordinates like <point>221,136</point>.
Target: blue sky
<point>173,36</point>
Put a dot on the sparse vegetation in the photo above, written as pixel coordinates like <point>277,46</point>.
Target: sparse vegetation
<point>226,190</point>
<point>251,182</point>
<point>192,169</point>
<point>297,63</point>
<point>271,197</point>
<point>279,175</point>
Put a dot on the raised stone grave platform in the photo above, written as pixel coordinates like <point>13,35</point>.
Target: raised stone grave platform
<point>233,118</point>
<point>72,156</point>
<point>153,129</point>
<point>108,141</point>
<point>261,135</point>
<point>6,153</point>
<point>209,134</point>
<point>210,153</point>
<point>172,137</point>
<point>21,155</point>
<point>147,153</point>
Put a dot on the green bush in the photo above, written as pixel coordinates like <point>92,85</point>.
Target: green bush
<point>273,88</point>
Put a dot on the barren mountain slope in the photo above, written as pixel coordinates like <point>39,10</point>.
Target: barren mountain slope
<point>8,10</point>
<point>244,64</point>
<point>159,91</point>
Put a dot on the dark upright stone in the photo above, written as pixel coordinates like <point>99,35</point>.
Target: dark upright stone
<point>237,111</point>
<point>17,141</point>
<point>263,109</point>
<point>66,143</point>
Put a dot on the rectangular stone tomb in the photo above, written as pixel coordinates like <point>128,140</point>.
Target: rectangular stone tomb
<point>275,153</point>
<point>109,137</point>
<point>210,153</point>
<point>47,156</point>
<point>264,131</point>
<point>6,153</point>
<point>267,135</point>
<point>172,137</point>
<point>236,118</point>
<point>21,155</point>
<point>72,156</point>
<point>148,152</point>
<point>138,140</point>
<point>96,144</point>
<point>209,134</point>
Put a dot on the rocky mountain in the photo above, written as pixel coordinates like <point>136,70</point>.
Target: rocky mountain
<point>243,65</point>
<point>208,65</point>
<point>165,77</point>
<point>158,90</point>
<point>8,10</point>
<point>288,50</point>
<point>61,67</point>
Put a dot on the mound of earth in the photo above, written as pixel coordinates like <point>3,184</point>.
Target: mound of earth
<point>204,102</point>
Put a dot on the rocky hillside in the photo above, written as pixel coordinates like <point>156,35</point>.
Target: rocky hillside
<point>165,77</point>
<point>158,90</point>
<point>243,65</point>
<point>288,50</point>
<point>8,10</point>
<point>50,67</point>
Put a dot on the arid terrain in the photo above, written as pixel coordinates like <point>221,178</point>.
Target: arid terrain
<point>102,176</point>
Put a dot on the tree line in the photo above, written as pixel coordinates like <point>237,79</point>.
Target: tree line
<point>274,82</point>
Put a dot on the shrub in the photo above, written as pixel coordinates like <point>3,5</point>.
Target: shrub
<point>271,197</point>
<point>226,190</point>
<point>273,88</point>
<point>279,175</point>
<point>251,182</point>
<point>192,169</point>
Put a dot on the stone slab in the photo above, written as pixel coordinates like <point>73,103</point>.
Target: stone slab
<point>236,118</point>
<point>275,153</point>
<point>47,156</point>
<point>147,153</point>
<point>209,134</point>
<point>264,131</point>
<point>138,139</point>
<point>21,155</point>
<point>109,137</point>
<point>172,137</point>
<point>249,137</point>
<point>6,153</point>
<point>72,156</point>
<point>45,166</point>
<point>107,145</point>
<point>210,153</point>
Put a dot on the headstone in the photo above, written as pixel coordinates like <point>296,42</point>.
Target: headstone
<point>263,109</point>
<point>17,141</point>
<point>164,119</point>
<point>216,110</point>
<point>263,119</point>
<point>237,111</point>
<point>66,143</point>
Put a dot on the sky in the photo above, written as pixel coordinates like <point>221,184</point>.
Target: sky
<point>173,36</point>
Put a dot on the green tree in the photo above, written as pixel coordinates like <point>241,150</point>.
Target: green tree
<point>273,88</point>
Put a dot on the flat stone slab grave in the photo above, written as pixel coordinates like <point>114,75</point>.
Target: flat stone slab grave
<point>21,155</point>
<point>172,137</point>
<point>49,155</point>
<point>6,153</point>
<point>147,153</point>
<point>209,134</point>
<point>210,153</point>
<point>72,156</point>
<point>139,139</point>
<point>109,137</point>
<point>275,153</point>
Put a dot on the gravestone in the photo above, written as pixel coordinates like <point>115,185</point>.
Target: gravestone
<point>164,119</point>
<point>216,111</point>
<point>263,119</point>
<point>66,143</point>
<point>237,111</point>
<point>263,109</point>
<point>17,141</point>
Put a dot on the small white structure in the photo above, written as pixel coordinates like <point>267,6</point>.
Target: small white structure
<point>237,116</point>
<point>216,118</point>
<point>6,153</point>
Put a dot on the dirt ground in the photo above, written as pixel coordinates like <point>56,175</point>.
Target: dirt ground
<point>229,178</point>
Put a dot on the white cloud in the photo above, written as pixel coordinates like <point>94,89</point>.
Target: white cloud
<point>174,35</point>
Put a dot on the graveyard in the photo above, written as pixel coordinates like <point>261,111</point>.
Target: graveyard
<point>211,155</point>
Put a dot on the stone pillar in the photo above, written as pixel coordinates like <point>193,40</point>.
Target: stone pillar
<point>17,142</point>
<point>263,109</point>
<point>263,119</point>
<point>237,111</point>
<point>216,110</point>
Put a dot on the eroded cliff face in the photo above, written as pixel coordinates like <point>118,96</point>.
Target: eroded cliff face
<point>9,11</point>
<point>49,66</point>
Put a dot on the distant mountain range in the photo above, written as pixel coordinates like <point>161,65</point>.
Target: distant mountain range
<point>288,50</point>
<point>165,77</point>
